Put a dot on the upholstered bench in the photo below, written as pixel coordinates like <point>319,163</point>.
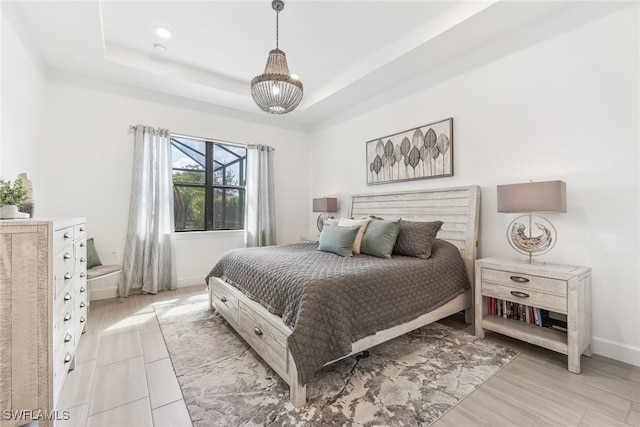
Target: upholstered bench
<point>98,272</point>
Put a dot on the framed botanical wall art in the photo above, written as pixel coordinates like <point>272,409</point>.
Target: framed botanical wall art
<point>419,153</point>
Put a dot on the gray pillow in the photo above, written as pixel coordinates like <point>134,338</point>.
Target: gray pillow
<point>416,238</point>
<point>338,240</point>
<point>92,254</point>
<point>380,238</point>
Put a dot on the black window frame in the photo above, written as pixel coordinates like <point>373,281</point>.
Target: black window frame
<point>209,184</point>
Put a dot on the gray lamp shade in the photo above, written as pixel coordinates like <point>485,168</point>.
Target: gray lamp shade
<point>543,197</point>
<point>325,204</point>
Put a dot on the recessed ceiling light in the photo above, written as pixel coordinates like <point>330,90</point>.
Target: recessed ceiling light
<point>160,48</point>
<point>163,32</point>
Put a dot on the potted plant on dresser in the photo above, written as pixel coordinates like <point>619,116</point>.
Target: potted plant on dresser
<point>11,195</point>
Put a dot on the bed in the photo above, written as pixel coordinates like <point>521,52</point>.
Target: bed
<point>281,338</point>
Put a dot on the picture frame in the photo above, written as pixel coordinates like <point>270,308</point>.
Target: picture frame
<point>419,153</point>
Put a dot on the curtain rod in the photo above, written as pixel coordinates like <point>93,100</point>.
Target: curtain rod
<point>133,127</point>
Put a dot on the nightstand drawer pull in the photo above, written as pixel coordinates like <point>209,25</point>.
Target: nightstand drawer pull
<point>67,337</point>
<point>67,317</point>
<point>66,255</point>
<point>223,299</point>
<point>67,358</point>
<point>257,331</point>
<point>519,294</point>
<point>519,279</point>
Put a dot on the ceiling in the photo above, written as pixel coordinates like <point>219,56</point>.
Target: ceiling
<point>345,52</point>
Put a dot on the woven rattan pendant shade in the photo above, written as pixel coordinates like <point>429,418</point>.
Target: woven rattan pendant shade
<point>275,91</point>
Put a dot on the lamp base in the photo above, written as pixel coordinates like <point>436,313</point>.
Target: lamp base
<point>322,218</point>
<point>523,241</point>
<point>530,261</point>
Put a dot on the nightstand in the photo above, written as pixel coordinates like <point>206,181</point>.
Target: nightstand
<point>309,239</point>
<point>563,289</point>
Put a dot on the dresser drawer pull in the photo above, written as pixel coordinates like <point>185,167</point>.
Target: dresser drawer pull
<point>257,331</point>
<point>82,319</point>
<point>82,274</point>
<point>82,289</point>
<point>68,276</point>
<point>82,304</point>
<point>519,279</point>
<point>223,299</point>
<point>66,255</point>
<point>82,244</point>
<point>67,358</point>
<point>67,337</point>
<point>66,235</point>
<point>519,294</point>
<point>82,259</point>
<point>81,228</point>
<point>67,296</point>
<point>67,317</point>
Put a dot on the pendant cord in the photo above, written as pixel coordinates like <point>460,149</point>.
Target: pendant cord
<point>277,27</point>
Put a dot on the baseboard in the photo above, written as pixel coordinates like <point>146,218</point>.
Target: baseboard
<point>183,282</point>
<point>615,350</point>
<point>110,289</point>
<point>104,293</point>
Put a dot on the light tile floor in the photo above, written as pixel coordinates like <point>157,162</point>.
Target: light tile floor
<point>124,377</point>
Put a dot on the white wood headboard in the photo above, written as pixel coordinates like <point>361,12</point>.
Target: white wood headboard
<point>458,208</point>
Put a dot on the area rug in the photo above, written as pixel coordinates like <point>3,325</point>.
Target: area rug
<point>412,380</point>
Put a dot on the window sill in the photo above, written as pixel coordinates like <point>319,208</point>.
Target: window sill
<point>220,234</point>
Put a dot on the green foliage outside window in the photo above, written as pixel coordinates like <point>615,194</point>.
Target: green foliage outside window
<point>190,205</point>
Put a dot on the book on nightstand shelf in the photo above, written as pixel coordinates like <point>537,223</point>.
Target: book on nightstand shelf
<point>524,313</point>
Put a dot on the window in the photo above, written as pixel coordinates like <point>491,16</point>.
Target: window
<point>208,184</point>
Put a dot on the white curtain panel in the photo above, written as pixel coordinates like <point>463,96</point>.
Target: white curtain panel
<point>260,217</point>
<point>149,257</point>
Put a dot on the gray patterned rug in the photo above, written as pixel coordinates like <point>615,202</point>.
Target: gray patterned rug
<point>411,380</point>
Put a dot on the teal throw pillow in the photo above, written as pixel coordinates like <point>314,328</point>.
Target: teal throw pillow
<point>380,238</point>
<point>92,255</point>
<point>338,240</point>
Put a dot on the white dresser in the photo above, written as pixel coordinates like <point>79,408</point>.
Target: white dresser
<point>43,312</point>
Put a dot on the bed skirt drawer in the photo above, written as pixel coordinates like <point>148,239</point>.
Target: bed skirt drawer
<point>224,302</point>
<point>270,343</point>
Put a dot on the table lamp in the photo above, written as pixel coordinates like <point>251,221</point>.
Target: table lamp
<point>324,205</point>
<point>530,198</point>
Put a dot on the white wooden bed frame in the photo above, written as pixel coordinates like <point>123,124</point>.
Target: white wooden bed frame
<point>458,208</point>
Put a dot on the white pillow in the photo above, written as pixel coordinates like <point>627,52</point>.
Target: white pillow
<point>347,222</point>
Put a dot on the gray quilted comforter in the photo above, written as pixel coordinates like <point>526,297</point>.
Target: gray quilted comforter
<point>329,301</point>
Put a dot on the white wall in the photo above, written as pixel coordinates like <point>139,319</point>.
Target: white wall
<point>563,108</point>
<point>20,97</point>
<point>87,156</point>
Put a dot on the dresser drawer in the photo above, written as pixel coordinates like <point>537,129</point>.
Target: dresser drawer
<point>225,302</point>
<point>269,342</point>
<point>61,238</point>
<point>62,357</point>
<point>530,297</point>
<point>81,256</point>
<point>534,283</point>
<point>80,231</point>
<point>63,277</point>
<point>81,316</point>
<point>62,309</point>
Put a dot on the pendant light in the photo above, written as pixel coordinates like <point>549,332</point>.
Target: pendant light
<point>275,91</point>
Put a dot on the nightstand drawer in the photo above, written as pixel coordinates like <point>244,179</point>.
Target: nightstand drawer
<point>526,296</point>
<point>533,283</point>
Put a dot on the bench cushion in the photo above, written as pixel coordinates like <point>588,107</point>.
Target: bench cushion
<point>102,270</point>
